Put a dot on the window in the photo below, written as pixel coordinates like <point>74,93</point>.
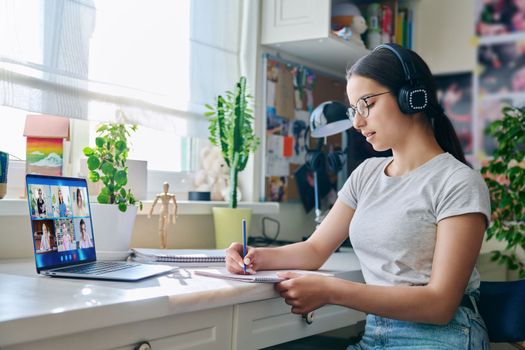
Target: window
<point>159,61</point>
<point>11,133</point>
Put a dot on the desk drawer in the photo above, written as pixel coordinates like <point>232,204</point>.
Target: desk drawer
<point>204,330</point>
<point>269,322</point>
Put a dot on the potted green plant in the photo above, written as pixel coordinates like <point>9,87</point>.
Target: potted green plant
<point>231,130</point>
<point>107,163</point>
<point>114,215</point>
<point>505,178</point>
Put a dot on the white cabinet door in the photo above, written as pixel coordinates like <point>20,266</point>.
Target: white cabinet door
<point>269,322</point>
<point>202,330</point>
<point>294,20</point>
<point>302,28</point>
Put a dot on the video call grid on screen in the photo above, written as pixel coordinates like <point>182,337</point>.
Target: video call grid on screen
<point>61,221</point>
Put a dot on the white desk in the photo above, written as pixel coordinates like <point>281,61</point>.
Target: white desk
<point>179,311</point>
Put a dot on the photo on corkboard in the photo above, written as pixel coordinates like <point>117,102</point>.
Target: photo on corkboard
<point>278,188</point>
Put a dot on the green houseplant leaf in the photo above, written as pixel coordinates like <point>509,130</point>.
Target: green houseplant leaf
<point>107,163</point>
<point>505,178</point>
<point>231,130</point>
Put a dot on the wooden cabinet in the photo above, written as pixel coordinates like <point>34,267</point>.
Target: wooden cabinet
<point>203,330</point>
<point>295,20</point>
<point>302,28</point>
<point>253,325</point>
<point>265,323</point>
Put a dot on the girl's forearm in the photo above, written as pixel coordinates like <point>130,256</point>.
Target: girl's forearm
<point>301,255</point>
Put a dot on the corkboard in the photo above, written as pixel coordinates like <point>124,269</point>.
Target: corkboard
<point>293,91</point>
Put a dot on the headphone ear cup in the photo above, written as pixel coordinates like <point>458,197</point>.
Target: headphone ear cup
<point>412,99</point>
<point>336,160</point>
<point>402,101</point>
<point>315,160</point>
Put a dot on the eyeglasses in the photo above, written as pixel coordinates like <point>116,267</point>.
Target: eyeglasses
<point>361,107</point>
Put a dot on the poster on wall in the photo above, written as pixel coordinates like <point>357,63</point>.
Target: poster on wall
<point>500,73</point>
<point>497,17</point>
<point>502,67</point>
<point>455,96</point>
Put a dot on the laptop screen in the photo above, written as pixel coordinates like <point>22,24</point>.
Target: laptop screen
<point>60,221</point>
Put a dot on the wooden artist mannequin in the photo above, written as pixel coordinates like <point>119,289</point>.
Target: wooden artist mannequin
<point>164,217</point>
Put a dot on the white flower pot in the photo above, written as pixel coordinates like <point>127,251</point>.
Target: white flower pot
<point>112,229</point>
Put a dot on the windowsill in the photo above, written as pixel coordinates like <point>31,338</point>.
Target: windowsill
<point>18,207</point>
<point>185,207</point>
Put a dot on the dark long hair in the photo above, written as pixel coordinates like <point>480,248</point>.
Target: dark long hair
<point>384,67</point>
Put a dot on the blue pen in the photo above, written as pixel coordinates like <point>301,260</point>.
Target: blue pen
<point>244,243</point>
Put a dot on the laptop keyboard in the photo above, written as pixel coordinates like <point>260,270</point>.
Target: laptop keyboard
<point>98,267</point>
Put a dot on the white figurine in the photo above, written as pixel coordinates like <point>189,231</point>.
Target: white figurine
<point>358,27</point>
<point>164,217</point>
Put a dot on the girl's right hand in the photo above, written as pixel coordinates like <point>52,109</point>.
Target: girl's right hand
<point>235,262</point>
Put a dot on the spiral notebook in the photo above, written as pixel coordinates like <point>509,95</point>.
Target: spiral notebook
<point>259,277</point>
<point>186,257</point>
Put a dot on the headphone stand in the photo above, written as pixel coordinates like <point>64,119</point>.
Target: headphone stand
<point>318,213</point>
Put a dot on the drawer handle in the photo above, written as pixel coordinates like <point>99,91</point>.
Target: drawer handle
<point>143,346</point>
<point>309,317</point>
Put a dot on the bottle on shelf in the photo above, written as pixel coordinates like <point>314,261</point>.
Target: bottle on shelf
<point>373,37</point>
<point>386,24</point>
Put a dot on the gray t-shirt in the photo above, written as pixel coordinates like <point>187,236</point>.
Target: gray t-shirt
<point>393,231</point>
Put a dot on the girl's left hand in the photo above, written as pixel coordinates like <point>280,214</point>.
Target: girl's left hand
<point>304,293</point>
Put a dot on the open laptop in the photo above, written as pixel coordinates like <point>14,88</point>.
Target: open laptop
<point>63,238</point>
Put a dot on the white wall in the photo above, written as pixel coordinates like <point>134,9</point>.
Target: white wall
<point>443,34</point>
<point>197,231</point>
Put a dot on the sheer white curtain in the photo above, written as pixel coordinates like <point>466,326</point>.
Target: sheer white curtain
<point>157,60</point>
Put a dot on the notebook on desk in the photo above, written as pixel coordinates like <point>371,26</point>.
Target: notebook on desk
<point>63,238</point>
<point>269,276</point>
<point>180,257</point>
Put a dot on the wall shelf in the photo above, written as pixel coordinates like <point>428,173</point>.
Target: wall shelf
<point>333,52</point>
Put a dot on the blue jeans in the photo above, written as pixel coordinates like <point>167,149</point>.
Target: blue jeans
<point>466,331</point>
